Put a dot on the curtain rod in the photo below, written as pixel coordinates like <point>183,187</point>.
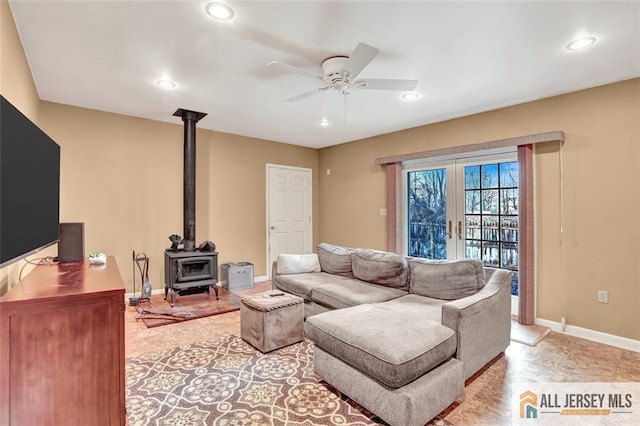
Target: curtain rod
<point>554,136</point>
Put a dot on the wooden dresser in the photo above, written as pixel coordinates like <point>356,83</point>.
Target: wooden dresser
<point>62,347</point>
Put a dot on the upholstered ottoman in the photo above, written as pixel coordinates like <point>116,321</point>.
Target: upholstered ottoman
<point>271,320</point>
<point>399,367</point>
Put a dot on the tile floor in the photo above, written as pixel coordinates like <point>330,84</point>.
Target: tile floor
<point>487,398</point>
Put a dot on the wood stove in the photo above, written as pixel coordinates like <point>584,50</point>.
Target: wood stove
<point>189,270</point>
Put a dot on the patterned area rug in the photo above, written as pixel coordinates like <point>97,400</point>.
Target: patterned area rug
<point>227,382</point>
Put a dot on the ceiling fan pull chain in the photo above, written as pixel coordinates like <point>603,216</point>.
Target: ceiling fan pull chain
<point>345,108</point>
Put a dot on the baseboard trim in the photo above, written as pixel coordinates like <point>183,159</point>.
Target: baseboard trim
<point>596,336</point>
<point>259,279</point>
<point>514,305</point>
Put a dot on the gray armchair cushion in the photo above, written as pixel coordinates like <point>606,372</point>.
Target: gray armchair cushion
<point>446,279</point>
<point>382,268</point>
<point>335,260</point>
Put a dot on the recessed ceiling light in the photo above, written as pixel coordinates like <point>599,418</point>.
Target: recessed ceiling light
<point>324,123</point>
<point>166,84</point>
<point>410,96</point>
<point>219,11</point>
<point>581,43</point>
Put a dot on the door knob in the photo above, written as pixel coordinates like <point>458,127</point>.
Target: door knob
<point>274,227</point>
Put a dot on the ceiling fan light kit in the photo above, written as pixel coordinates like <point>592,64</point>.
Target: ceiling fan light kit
<point>341,72</point>
<point>332,69</point>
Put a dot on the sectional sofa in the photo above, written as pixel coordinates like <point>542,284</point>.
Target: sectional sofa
<point>399,335</point>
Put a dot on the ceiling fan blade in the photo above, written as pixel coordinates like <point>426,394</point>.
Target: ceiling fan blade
<point>359,58</point>
<point>386,84</point>
<point>291,68</point>
<point>307,94</point>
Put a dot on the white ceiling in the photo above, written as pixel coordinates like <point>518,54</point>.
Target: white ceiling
<point>468,57</point>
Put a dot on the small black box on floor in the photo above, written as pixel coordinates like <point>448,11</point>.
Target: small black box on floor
<point>237,275</point>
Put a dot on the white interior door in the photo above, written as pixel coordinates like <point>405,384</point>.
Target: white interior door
<point>289,221</point>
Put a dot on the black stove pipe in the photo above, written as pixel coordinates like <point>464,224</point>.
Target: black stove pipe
<point>190,118</point>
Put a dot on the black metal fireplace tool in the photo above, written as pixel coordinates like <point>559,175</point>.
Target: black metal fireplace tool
<point>141,261</point>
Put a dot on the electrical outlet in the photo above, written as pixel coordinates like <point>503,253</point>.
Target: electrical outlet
<point>383,212</point>
<point>603,296</point>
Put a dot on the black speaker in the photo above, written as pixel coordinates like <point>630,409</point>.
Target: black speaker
<point>71,245</point>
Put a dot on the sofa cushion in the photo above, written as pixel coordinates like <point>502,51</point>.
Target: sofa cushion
<point>393,349</point>
<point>302,284</point>
<point>343,294</point>
<point>335,260</point>
<point>297,263</point>
<point>446,279</point>
<point>380,267</point>
<point>425,308</point>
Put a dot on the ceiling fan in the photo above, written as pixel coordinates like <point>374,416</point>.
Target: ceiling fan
<point>341,73</point>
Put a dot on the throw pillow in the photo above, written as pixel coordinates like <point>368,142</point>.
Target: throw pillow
<point>297,263</point>
<point>335,260</point>
<point>379,267</point>
<point>446,279</point>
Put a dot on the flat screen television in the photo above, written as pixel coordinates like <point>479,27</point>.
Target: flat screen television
<point>29,186</point>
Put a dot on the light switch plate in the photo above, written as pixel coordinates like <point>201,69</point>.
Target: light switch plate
<point>603,296</point>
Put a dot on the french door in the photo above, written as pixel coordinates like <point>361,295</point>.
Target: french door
<point>464,208</point>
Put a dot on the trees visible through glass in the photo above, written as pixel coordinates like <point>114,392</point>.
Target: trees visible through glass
<point>491,215</point>
<point>427,213</point>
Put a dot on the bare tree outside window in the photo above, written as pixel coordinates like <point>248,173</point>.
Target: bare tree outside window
<point>427,213</point>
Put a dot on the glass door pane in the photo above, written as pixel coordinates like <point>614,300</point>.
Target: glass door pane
<point>491,215</point>
<point>427,213</point>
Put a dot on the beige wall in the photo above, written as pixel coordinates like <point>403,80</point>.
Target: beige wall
<point>238,193</point>
<point>122,176</point>
<point>601,196</point>
<point>16,84</point>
